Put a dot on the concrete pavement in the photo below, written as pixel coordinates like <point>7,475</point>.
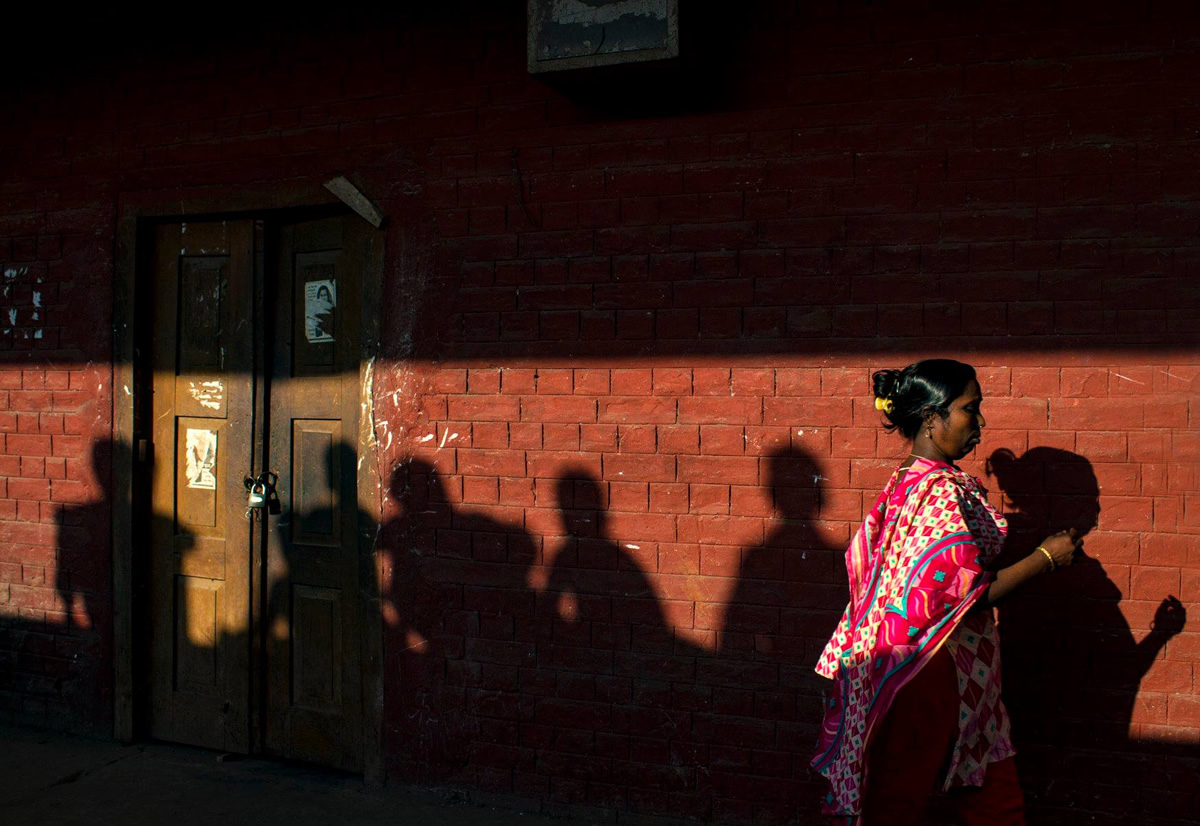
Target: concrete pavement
<point>55,779</point>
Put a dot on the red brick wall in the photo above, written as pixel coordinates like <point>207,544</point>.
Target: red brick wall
<point>55,426</point>
<point>678,289</point>
<point>709,488</point>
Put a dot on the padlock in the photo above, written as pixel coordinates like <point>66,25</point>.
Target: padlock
<point>257,497</point>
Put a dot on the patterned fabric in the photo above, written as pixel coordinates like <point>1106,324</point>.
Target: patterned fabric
<point>916,567</point>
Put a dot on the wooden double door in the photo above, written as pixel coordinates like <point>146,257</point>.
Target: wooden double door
<point>256,619</point>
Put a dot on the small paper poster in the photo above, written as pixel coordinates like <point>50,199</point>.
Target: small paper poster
<point>320,297</point>
<point>201,460</point>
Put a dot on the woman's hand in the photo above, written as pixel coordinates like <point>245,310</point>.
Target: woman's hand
<point>1062,546</point>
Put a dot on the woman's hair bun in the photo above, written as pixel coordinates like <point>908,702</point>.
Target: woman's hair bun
<point>884,382</point>
<point>929,385</point>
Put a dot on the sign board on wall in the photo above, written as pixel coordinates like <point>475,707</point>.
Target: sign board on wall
<point>574,34</point>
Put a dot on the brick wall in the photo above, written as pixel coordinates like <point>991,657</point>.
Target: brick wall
<point>55,426</point>
<point>647,638</point>
<point>622,402</point>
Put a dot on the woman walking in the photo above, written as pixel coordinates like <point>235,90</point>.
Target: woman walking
<point>915,659</point>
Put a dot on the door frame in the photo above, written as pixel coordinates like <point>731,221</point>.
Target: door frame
<point>137,213</point>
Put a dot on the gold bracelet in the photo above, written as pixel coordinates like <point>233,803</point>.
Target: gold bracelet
<point>1049,558</point>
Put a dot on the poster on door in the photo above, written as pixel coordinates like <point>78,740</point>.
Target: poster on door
<point>320,298</point>
<point>201,459</point>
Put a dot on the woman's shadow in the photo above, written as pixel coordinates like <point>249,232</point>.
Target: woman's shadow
<point>1072,665</point>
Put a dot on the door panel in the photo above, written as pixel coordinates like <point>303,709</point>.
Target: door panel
<point>199,568</point>
<point>315,691</point>
<point>256,633</point>
<point>317,646</point>
<point>316,467</point>
<point>197,632</point>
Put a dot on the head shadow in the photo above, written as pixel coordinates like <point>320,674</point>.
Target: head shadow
<point>597,589</point>
<point>582,504</point>
<point>588,561</point>
<point>791,587</point>
<point>1047,486</point>
<point>1065,635</point>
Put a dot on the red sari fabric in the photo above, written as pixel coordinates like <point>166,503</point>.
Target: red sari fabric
<point>916,567</point>
<point>910,750</point>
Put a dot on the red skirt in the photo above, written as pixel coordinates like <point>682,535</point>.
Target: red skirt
<point>909,755</point>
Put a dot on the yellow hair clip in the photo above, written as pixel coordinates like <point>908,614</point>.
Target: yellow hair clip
<point>883,404</point>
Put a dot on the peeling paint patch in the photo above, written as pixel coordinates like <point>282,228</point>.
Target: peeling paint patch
<point>210,394</point>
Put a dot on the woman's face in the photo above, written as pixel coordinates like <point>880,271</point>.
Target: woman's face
<point>959,433</point>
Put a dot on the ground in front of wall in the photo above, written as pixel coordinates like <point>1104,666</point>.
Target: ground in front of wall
<point>55,779</point>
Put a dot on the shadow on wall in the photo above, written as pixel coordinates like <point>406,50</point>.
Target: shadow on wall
<point>459,626</point>
<point>1073,668</point>
<point>545,663</point>
<point>789,594</point>
<point>529,657</point>
<point>55,645</point>
<point>554,671</point>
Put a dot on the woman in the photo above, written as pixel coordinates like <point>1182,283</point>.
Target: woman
<point>916,698</point>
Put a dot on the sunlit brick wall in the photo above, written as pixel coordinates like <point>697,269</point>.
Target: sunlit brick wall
<point>669,641</point>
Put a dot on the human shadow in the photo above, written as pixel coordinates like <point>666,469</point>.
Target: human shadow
<point>80,574</point>
<point>318,553</point>
<point>459,625</point>
<point>790,586</point>
<point>65,648</point>
<point>789,594</point>
<point>609,658</point>
<point>593,581</point>
<point>1073,667</point>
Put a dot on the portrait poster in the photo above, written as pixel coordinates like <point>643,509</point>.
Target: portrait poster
<point>201,459</point>
<point>320,299</point>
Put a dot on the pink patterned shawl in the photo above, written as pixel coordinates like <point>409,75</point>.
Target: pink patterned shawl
<point>916,568</point>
